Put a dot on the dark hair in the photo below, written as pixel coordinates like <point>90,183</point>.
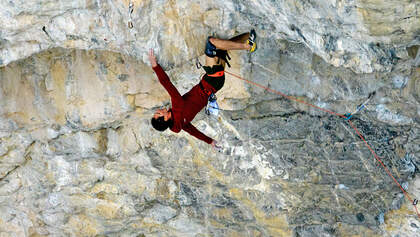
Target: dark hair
<point>160,124</point>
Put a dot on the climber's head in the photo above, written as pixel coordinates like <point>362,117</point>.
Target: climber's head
<point>162,119</point>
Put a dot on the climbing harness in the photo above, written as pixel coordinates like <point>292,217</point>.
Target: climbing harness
<point>217,74</point>
<point>415,201</point>
<point>130,11</point>
<point>360,107</point>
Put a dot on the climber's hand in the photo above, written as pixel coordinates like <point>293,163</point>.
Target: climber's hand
<point>216,146</point>
<point>152,58</point>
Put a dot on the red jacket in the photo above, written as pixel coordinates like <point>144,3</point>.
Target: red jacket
<point>184,108</point>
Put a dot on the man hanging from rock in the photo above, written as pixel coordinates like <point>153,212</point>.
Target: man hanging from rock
<point>184,108</point>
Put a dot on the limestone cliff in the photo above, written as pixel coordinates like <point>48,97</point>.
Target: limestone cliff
<point>78,156</point>
<point>365,35</point>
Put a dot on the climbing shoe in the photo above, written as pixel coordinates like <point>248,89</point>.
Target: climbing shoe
<point>252,40</point>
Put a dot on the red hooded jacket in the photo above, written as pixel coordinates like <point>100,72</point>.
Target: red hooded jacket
<point>186,107</point>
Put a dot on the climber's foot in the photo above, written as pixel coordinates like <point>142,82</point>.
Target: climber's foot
<point>251,41</point>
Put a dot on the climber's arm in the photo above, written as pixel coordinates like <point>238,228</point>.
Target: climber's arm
<point>164,79</point>
<point>189,128</point>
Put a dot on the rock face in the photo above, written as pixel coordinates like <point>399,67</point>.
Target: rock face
<point>78,156</point>
<point>364,35</point>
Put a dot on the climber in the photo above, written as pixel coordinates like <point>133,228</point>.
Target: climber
<point>184,108</point>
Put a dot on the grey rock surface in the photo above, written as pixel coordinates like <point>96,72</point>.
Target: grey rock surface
<point>364,35</point>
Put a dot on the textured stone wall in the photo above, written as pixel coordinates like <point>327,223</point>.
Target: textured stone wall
<point>364,35</point>
<point>78,156</point>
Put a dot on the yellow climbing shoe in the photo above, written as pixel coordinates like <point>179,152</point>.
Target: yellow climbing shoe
<point>252,40</point>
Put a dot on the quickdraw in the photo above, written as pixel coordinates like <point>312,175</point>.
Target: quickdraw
<point>130,11</point>
<point>198,64</point>
<point>415,202</point>
<point>360,107</point>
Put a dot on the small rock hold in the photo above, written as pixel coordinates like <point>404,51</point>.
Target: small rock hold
<point>123,77</point>
<point>330,43</point>
<point>292,27</point>
<point>360,217</point>
<point>412,51</point>
<point>399,82</point>
<point>414,225</point>
<point>380,218</point>
<point>94,40</point>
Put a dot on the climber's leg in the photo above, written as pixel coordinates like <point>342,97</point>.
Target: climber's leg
<point>215,46</point>
<point>217,56</point>
<point>239,44</point>
<point>240,38</point>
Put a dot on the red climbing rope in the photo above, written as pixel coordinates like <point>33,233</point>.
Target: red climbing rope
<point>286,96</point>
<point>414,202</point>
<point>386,169</point>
